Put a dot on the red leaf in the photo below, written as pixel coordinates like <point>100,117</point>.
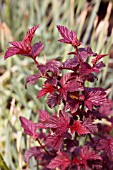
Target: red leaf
<point>98,66</point>
<point>18,44</point>
<point>51,66</point>
<point>52,80</point>
<point>54,99</point>
<point>73,86</point>
<point>69,84</point>
<point>84,155</point>
<point>106,111</point>
<point>31,32</point>
<point>44,116</point>
<point>89,124</point>
<point>64,79</point>
<point>54,141</point>
<point>54,66</point>
<point>72,104</point>
<point>60,123</point>
<point>97,58</point>
<point>33,151</point>
<point>61,160</point>
<point>69,37</point>
<point>36,49</point>
<point>85,69</point>
<point>71,63</point>
<point>11,51</point>
<point>107,145</point>
<point>24,47</point>
<point>95,97</point>
<point>32,79</point>
<point>79,128</point>
<point>84,53</point>
<point>47,89</point>
<point>29,127</point>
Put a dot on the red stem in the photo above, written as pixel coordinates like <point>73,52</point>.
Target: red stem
<point>43,147</point>
<point>36,62</point>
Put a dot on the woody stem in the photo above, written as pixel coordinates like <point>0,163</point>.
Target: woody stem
<point>43,147</point>
<point>36,62</point>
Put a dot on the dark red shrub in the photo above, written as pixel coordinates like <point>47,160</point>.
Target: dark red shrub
<point>74,139</point>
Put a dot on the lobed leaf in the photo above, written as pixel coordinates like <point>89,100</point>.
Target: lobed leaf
<point>60,123</point>
<point>95,97</point>
<point>107,146</point>
<point>69,37</point>
<point>29,127</point>
<point>79,128</point>
<point>36,49</point>
<point>44,116</point>
<point>48,88</point>
<point>85,155</point>
<point>54,141</point>
<point>33,151</point>
<point>61,160</point>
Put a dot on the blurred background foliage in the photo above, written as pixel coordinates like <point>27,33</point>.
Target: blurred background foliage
<point>93,22</point>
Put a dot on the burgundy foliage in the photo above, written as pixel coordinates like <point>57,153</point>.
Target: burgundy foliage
<point>76,137</point>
